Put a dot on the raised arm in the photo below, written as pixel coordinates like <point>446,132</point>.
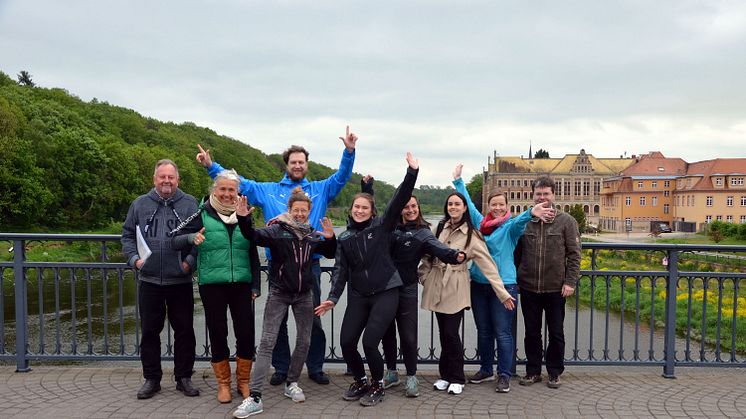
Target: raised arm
<point>366,185</point>
<point>458,183</point>
<point>333,184</point>
<point>434,247</point>
<point>402,195</point>
<point>249,188</point>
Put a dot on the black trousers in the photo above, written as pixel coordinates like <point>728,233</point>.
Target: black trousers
<point>406,322</point>
<point>217,299</point>
<point>552,306</point>
<point>369,317</point>
<point>155,302</point>
<point>451,363</point>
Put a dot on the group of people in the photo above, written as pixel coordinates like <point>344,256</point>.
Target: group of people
<point>168,236</point>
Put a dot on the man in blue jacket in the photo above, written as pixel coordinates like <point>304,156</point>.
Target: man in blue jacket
<point>272,198</point>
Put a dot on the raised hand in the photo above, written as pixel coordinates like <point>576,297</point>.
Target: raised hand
<point>323,308</point>
<point>457,171</point>
<point>367,179</point>
<point>544,211</point>
<point>350,139</point>
<point>242,207</point>
<point>203,157</point>
<point>327,228</point>
<point>412,162</point>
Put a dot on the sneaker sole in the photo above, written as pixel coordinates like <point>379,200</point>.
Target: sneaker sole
<point>296,401</point>
<point>250,414</point>
<point>502,390</point>
<point>554,386</point>
<point>352,398</point>
<point>368,404</point>
<point>491,378</point>
<point>389,385</point>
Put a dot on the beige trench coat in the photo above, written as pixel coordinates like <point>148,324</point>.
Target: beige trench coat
<point>446,287</point>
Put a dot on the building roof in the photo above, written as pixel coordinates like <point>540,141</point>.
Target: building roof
<point>516,164</point>
<point>655,164</point>
<point>707,169</point>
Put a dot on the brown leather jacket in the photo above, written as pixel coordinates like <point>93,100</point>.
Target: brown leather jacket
<point>548,255</point>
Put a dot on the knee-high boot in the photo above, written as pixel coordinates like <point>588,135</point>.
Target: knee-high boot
<point>243,376</point>
<point>223,377</point>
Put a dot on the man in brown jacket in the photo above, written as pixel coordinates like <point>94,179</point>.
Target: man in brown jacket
<point>548,258</point>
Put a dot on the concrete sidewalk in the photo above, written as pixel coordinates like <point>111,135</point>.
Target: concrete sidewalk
<point>608,392</point>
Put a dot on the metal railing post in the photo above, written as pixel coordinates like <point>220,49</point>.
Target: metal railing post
<point>19,276</point>
<point>669,342</point>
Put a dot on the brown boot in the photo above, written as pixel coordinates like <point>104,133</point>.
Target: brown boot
<point>243,376</point>
<point>223,377</point>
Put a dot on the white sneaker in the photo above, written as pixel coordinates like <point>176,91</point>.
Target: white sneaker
<point>441,385</point>
<point>455,388</point>
<point>294,392</point>
<point>249,407</point>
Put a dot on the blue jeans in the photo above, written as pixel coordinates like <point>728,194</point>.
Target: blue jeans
<point>494,324</point>
<point>317,351</point>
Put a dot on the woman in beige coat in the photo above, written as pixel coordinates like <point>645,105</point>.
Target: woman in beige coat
<point>447,290</point>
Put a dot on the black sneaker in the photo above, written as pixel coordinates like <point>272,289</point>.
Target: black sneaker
<point>374,396</point>
<point>503,384</point>
<point>527,380</point>
<point>481,377</point>
<point>357,389</point>
<point>278,378</point>
<point>554,381</point>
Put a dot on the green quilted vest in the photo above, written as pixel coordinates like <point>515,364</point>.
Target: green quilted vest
<point>222,258</point>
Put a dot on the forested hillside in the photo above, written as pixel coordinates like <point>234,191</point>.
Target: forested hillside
<point>71,165</point>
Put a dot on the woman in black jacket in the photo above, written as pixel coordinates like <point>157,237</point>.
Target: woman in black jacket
<point>413,239</point>
<point>364,260</point>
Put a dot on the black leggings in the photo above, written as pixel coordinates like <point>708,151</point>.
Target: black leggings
<point>406,322</point>
<point>368,316</point>
<point>217,299</point>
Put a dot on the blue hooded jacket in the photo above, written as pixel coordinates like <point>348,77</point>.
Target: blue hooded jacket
<point>501,243</point>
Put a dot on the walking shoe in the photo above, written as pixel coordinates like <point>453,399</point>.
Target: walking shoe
<point>527,380</point>
<point>441,385</point>
<point>481,377</point>
<point>374,396</point>
<point>185,386</point>
<point>454,388</point>
<point>554,381</point>
<point>294,392</point>
<point>278,378</point>
<point>391,378</point>
<point>149,388</point>
<point>411,387</point>
<point>503,384</point>
<point>252,405</point>
<point>319,378</point>
<point>357,389</point>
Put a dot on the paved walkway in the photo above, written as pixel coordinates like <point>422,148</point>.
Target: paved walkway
<point>109,392</point>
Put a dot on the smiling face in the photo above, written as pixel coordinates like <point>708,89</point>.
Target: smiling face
<point>361,210</point>
<point>226,191</point>
<point>498,206</point>
<point>456,208</point>
<point>299,211</point>
<point>297,166</point>
<point>411,211</point>
<point>166,180</point>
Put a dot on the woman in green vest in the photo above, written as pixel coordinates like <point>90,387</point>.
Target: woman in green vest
<point>228,269</point>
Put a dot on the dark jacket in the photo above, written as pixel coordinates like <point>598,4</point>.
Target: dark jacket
<point>364,249</point>
<point>291,257</point>
<point>181,241</point>
<point>156,218</point>
<point>548,254</point>
<point>411,243</point>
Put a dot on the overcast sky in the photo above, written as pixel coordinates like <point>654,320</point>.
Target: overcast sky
<point>450,81</point>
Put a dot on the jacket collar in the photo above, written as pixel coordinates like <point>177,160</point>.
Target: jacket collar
<point>287,181</point>
<point>463,227</point>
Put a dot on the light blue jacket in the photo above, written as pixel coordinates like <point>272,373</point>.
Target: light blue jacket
<point>501,243</point>
<point>272,197</point>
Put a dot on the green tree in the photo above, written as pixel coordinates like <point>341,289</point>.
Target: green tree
<point>24,79</point>
<point>475,190</point>
<point>576,211</point>
<point>541,154</point>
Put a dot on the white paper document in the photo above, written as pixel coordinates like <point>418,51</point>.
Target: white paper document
<point>142,247</point>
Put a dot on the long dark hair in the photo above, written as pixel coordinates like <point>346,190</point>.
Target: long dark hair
<point>466,218</point>
<point>420,222</point>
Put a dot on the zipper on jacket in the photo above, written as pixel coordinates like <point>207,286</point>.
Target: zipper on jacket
<point>539,278</point>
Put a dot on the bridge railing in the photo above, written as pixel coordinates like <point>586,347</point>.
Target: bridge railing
<point>623,313</point>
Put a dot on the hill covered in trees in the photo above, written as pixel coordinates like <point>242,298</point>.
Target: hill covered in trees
<point>73,165</point>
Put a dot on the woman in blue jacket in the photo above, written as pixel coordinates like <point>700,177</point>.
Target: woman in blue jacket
<point>493,320</point>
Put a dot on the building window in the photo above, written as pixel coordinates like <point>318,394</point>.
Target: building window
<point>729,201</point>
<point>666,193</point>
<point>719,217</point>
<point>666,183</point>
<point>719,181</point>
<point>709,201</point>
<point>736,181</point>
<point>567,188</point>
<point>596,187</point>
<point>627,200</point>
<point>708,219</point>
<point>743,201</point>
<point>654,184</point>
<point>642,201</point>
<point>639,185</point>
<point>728,218</point>
<point>654,201</point>
<point>577,188</point>
<point>743,219</point>
<point>666,208</point>
<point>586,188</point>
